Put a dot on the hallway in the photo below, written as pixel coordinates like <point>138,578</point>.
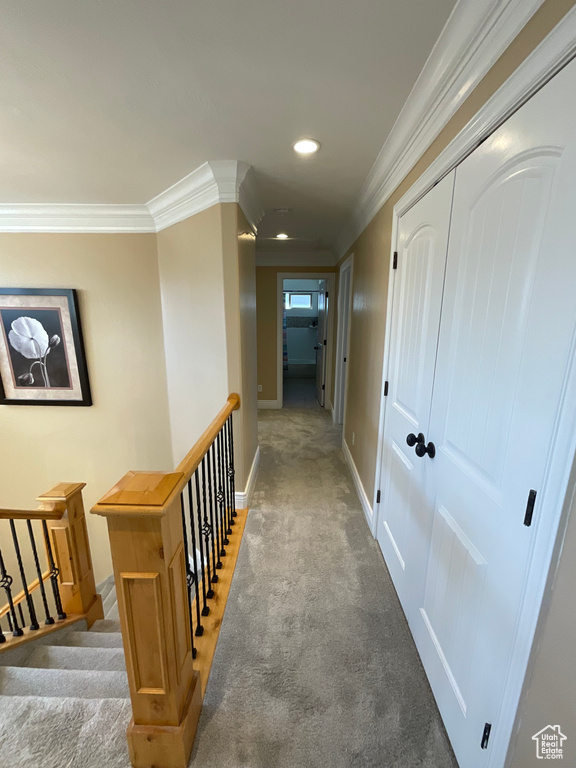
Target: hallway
<point>315,666</point>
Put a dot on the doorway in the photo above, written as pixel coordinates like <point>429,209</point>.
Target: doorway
<point>304,340</point>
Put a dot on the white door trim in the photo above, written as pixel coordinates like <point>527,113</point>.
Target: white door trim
<point>555,51</point>
<point>340,379</point>
<point>330,282</point>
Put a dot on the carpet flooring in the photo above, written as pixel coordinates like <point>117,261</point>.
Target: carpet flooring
<point>315,666</point>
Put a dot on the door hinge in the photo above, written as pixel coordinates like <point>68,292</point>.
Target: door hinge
<point>344,359</point>
<point>530,508</point>
<point>325,340</point>
<point>395,261</point>
<point>378,498</point>
<point>486,736</point>
<point>323,386</point>
<point>326,294</point>
<point>385,389</point>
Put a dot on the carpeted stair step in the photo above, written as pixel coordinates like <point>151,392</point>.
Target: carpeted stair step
<point>63,657</point>
<point>109,601</point>
<point>82,684</point>
<point>91,640</point>
<point>105,625</point>
<point>63,733</point>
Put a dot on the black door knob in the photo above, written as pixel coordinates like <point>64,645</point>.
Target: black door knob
<point>412,440</point>
<point>422,450</point>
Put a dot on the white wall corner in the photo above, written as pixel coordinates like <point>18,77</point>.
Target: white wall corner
<point>243,498</point>
<point>474,37</point>
<point>364,501</point>
<point>216,181</point>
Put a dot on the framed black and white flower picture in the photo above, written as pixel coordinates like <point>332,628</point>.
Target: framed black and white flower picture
<point>42,360</point>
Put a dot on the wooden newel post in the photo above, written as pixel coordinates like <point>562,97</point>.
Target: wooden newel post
<point>145,528</point>
<point>71,549</point>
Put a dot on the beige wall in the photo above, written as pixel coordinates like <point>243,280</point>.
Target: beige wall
<point>240,311</point>
<point>192,287</point>
<point>207,277</point>
<point>551,683</point>
<point>266,314</point>
<point>247,296</point>
<point>372,253</point>
<point>127,427</point>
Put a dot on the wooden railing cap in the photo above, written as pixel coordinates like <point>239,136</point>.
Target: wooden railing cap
<point>146,493</point>
<point>61,492</point>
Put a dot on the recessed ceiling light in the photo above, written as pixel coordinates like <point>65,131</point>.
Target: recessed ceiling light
<point>306,146</point>
<point>282,236</point>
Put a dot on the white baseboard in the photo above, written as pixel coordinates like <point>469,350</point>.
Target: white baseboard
<point>243,498</point>
<point>368,511</point>
<point>269,404</point>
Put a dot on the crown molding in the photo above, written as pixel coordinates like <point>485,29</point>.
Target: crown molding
<point>217,181</point>
<point>474,37</point>
<point>296,259</point>
<point>75,218</point>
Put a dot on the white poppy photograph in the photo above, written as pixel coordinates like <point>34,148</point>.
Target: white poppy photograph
<point>42,358</point>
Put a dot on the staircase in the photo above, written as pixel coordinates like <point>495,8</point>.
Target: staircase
<point>64,698</point>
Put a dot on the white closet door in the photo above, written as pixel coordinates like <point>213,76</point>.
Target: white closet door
<point>504,353</point>
<point>321,347</point>
<point>404,519</point>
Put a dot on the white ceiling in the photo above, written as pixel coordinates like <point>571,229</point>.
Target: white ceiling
<point>114,101</point>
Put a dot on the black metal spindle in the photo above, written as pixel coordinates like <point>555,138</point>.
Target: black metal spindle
<point>21,613</point>
<point>222,490</point>
<point>2,638</point>
<point>6,583</point>
<point>190,575</point>
<point>29,600</point>
<point>216,563</point>
<point>232,470</point>
<point>49,618</point>
<point>205,608</point>
<point>207,531</point>
<point>227,476</point>
<point>219,531</point>
<point>197,568</point>
<point>53,573</point>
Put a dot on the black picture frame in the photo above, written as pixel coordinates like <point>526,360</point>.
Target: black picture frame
<point>42,325</point>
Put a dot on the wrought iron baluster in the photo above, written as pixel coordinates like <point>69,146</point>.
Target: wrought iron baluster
<point>204,561</point>
<point>227,477</point>
<point>207,531</point>
<point>6,583</point>
<point>216,563</point>
<point>2,638</point>
<point>29,601</point>
<point>49,618</point>
<point>199,627</point>
<point>231,470</point>
<point>190,576</point>
<point>222,490</point>
<point>219,531</point>
<point>21,613</point>
<point>53,573</point>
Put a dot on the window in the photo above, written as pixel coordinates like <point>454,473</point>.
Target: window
<point>298,301</point>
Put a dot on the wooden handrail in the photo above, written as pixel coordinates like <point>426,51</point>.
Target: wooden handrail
<point>191,461</point>
<point>44,512</point>
<point>61,511</point>
<point>21,596</point>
